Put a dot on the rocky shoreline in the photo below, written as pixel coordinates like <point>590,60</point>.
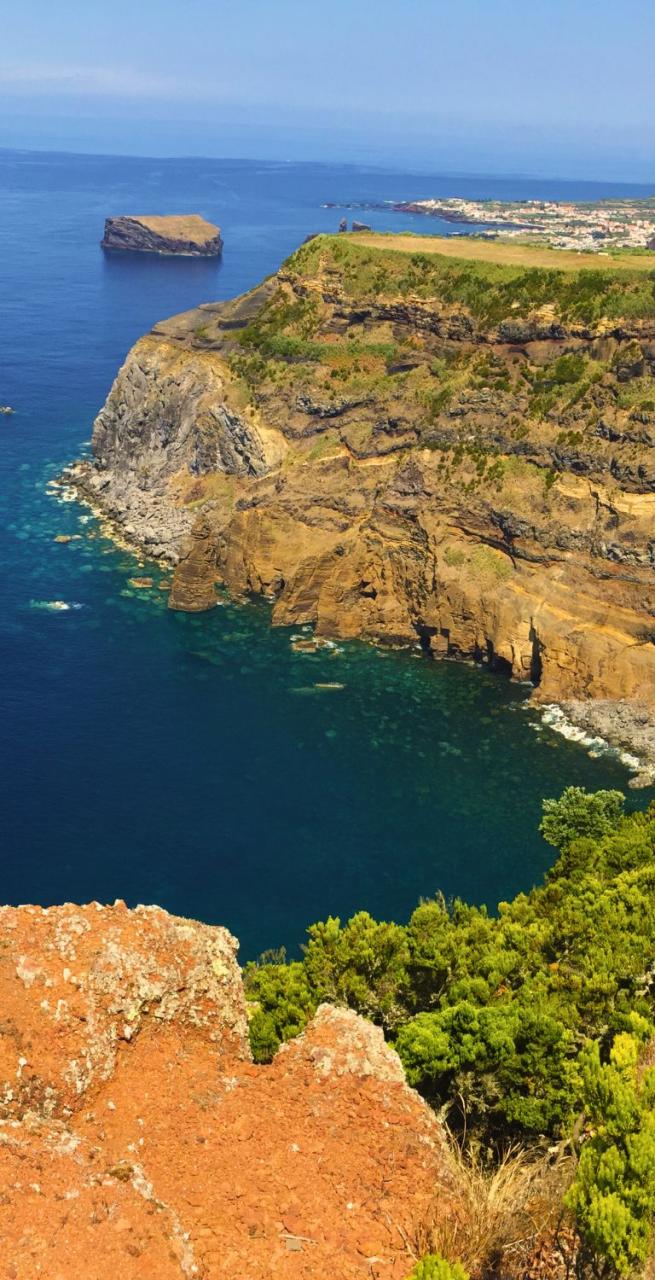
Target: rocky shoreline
<point>142,523</point>
<point>628,727</point>
<point>151,529</point>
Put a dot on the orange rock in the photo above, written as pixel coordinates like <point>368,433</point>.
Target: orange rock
<point>136,1131</point>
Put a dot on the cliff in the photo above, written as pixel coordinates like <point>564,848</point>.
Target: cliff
<point>138,1139</point>
<point>188,235</point>
<point>392,441</point>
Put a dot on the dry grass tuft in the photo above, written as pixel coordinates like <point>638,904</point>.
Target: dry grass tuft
<point>509,1214</point>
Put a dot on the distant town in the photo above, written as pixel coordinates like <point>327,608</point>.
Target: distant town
<point>605,225</point>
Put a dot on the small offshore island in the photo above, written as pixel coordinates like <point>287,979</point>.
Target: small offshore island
<point>413,440</point>
<point>185,235</point>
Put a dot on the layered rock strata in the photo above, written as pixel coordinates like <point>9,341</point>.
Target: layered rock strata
<point>187,235</point>
<point>386,459</point>
<point>138,1139</point>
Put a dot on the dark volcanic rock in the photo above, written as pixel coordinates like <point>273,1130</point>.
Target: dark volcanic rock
<point>188,235</point>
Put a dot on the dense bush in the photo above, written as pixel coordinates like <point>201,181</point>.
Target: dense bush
<point>491,1014</point>
<point>520,1023</point>
<point>613,1195</point>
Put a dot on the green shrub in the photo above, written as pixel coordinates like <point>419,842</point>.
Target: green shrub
<point>508,1059</point>
<point>454,557</point>
<point>566,369</point>
<point>281,1004</point>
<point>434,1267</point>
<point>580,814</point>
<point>613,1195</point>
<point>491,1013</point>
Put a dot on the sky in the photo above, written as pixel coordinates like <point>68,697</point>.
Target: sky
<point>548,87</point>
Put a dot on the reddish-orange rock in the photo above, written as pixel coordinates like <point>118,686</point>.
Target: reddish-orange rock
<point>139,1140</point>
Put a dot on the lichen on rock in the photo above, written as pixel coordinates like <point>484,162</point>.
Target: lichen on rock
<point>135,1130</point>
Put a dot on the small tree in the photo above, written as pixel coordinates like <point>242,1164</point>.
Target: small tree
<point>579,813</point>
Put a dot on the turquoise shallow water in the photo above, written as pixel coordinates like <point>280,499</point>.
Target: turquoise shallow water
<point>192,761</point>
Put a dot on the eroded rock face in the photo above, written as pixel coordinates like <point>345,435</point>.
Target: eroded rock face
<point>78,983</point>
<point>137,1137</point>
<point>193,589</point>
<point>187,235</point>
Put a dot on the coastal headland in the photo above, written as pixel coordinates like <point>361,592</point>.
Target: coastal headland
<point>412,440</point>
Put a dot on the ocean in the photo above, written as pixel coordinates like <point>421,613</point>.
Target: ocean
<point>191,761</point>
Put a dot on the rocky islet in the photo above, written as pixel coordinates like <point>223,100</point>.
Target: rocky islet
<point>186,235</point>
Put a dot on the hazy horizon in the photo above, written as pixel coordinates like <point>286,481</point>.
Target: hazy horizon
<point>553,91</point>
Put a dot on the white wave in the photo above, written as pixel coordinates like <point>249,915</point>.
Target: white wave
<point>55,606</point>
<point>554,717</point>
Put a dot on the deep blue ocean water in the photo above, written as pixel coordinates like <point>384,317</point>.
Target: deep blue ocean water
<point>191,761</point>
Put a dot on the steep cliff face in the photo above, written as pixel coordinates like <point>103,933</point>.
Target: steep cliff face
<point>393,444</point>
<point>137,1139</point>
<point>187,235</point>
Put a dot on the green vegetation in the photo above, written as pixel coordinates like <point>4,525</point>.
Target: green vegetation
<point>490,1013</point>
<point>560,384</point>
<point>613,1194</point>
<point>491,563</point>
<point>519,1024</point>
<point>435,1268</point>
<point>285,329</point>
<point>493,291</point>
<point>302,344</point>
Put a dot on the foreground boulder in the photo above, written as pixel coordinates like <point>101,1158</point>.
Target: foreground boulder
<point>135,1131</point>
<point>188,235</point>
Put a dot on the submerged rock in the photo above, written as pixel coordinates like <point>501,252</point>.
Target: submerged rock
<point>188,235</point>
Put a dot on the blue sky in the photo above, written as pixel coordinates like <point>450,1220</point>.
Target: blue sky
<point>561,87</point>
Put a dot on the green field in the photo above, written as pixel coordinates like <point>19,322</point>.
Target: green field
<point>507,253</point>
